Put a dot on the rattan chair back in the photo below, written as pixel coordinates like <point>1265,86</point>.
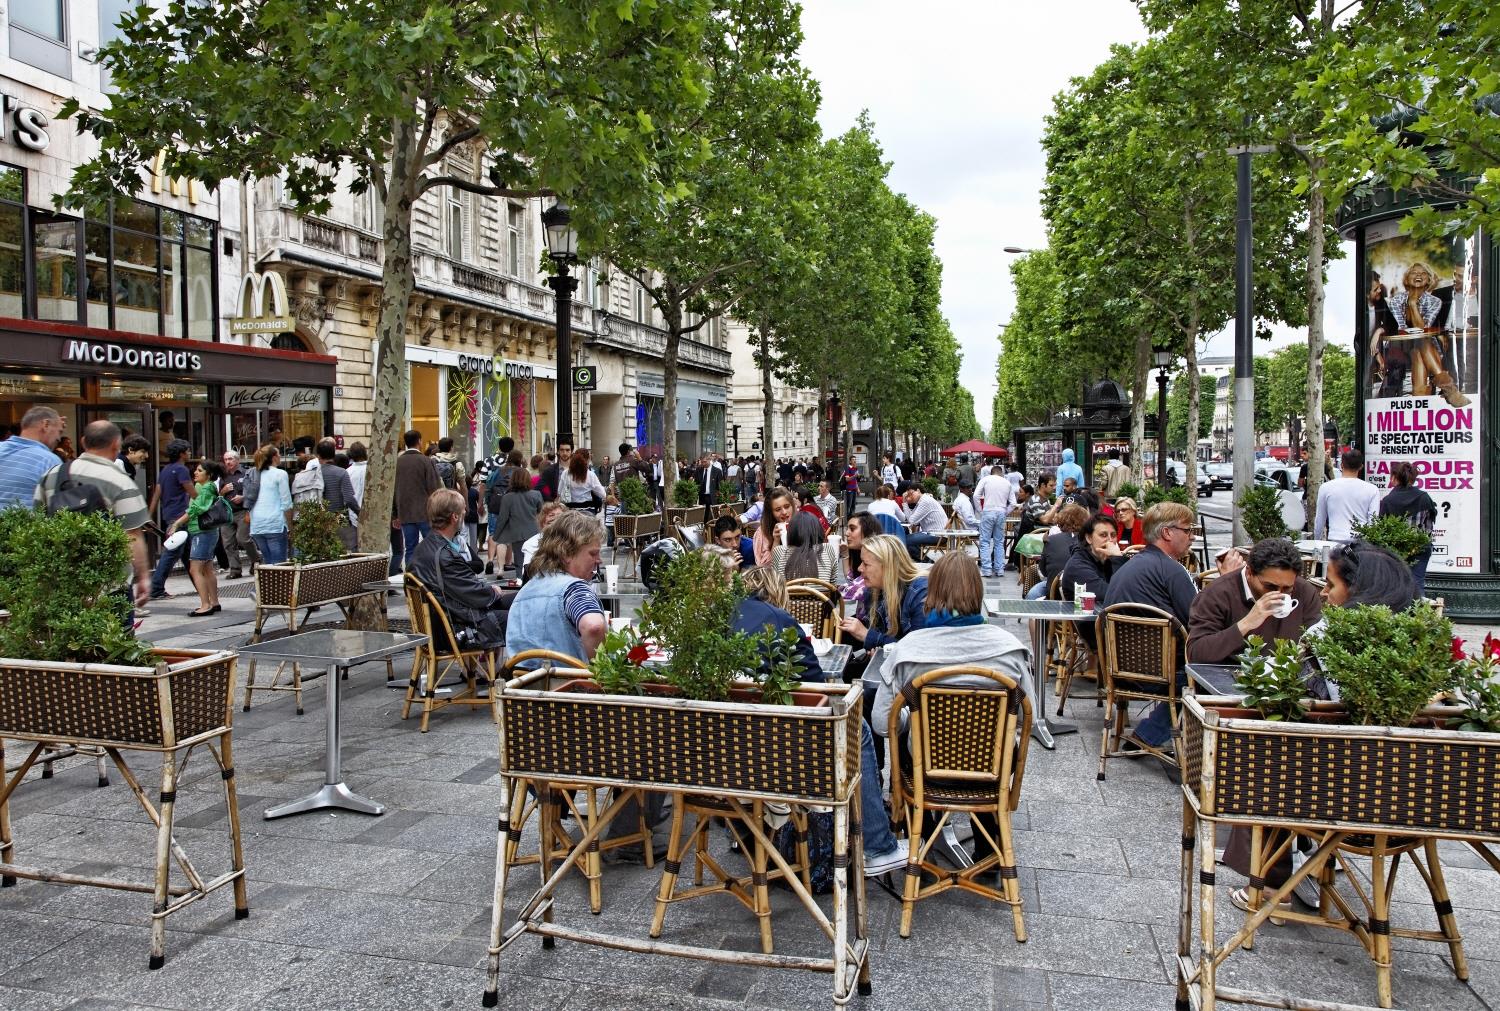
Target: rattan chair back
<point>1139,648</point>
<point>438,655</point>
<point>1031,574</point>
<point>823,586</point>
<point>1206,577</point>
<point>811,606</point>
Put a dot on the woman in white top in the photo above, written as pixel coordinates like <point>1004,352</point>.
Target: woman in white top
<point>807,553</point>
<point>578,487</point>
<point>273,506</point>
<point>890,474</point>
<point>884,502</point>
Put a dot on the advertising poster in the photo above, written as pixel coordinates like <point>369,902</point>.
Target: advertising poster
<point>1422,380</point>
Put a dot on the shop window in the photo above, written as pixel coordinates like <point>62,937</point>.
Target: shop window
<point>12,241</point>
<point>54,261</point>
<point>96,273</point>
<point>39,35</point>
<point>516,222</point>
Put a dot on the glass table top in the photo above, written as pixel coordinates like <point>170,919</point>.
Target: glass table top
<point>341,646</point>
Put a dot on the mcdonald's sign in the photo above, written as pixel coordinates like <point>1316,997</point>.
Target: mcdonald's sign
<point>175,187</point>
<point>263,305</point>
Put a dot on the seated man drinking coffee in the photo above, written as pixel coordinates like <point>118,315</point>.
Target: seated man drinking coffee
<point>1265,597</point>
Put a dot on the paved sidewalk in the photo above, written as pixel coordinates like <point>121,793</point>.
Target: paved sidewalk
<point>355,912</point>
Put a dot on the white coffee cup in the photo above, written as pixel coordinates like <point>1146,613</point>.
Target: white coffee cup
<point>1288,605</point>
<point>836,541</point>
<point>611,579</point>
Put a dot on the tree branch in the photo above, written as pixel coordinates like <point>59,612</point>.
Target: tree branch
<point>449,143</point>
<point>483,189</point>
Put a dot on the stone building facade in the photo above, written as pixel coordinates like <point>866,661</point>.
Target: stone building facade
<point>794,431</point>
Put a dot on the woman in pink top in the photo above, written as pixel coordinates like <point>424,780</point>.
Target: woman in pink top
<point>780,507</point>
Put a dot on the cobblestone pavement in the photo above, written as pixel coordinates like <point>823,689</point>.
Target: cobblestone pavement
<point>349,911</point>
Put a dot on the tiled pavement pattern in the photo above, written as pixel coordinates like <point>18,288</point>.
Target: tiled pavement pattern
<point>349,911</point>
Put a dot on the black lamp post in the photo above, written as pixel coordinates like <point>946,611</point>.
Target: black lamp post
<point>835,412</point>
<point>562,249</point>
<point>1162,359</point>
<point>1331,434</point>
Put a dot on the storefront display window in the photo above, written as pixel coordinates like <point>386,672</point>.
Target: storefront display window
<point>425,402</point>
<point>650,424</point>
<point>280,414</point>
<point>710,428</point>
<point>12,263</point>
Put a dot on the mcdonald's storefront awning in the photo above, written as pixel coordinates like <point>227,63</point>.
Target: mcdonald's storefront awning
<point>64,347</point>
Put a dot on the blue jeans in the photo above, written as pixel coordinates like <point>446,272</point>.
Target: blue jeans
<point>1156,728</point>
<point>412,534</point>
<point>1038,591</point>
<point>992,542</point>
<point>274,548</point>
<point>916,542</point>
<point>169,557</point>
<point>1419,571</point>
<point>875,824</point>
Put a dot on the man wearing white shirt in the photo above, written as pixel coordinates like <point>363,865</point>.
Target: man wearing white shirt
<point>926,514</point>
<point>963,507</point>
<point>1345,501</point>
<point>994,498</point>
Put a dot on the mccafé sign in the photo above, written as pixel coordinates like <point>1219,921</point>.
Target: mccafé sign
<point>489,367</point>
<point>100,353</point>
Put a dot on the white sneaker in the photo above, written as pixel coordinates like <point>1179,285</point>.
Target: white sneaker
<point>875,866</point>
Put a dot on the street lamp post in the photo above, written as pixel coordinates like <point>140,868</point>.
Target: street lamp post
<point>1161,358</point>
<point>562,250</point>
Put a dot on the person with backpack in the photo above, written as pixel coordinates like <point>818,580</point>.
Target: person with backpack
<point>92,483</point>
<point>450,469</point>
<point>174,489</point>
<point>495,483</point>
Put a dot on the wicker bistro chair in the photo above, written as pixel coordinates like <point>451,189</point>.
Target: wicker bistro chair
<point>752,891</point>
<point>440,655</point>
<point>968,753</point>
<point>812,606</point>
<point>1138,650</point>
<point>1068,654</point>
<point>549,801</point>
<point>632,533</point>
<point>1031,574</point>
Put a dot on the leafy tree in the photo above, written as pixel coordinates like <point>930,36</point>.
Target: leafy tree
<point>696,256</point>
<point>1177,412</point>
<point>1285,390</point>
<point>587,101</point>
<point>1414,106</point>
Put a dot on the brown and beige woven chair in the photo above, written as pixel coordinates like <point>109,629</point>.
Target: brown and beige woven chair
<point>440,655</point>
<point>1139,648</point>
<point>548,801</point>
<point>751,890</point>
<point>968,753</point>
<point>811,606</point>
<point>1068,654</point>
<point>1205,577</point>
<point>1031,574</point>
<point>632,533</point>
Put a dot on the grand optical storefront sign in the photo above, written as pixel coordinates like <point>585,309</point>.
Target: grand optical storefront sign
<point>154,359</point>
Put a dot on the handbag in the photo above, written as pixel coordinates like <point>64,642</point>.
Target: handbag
<point>1031,543</point>
<point>220,514</point>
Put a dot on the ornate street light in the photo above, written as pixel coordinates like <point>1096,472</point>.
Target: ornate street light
<point>562,250</point>
<point>1162,359</point>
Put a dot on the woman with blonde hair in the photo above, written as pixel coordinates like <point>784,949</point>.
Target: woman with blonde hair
<point>1416,308</point>
<point>557,608</point>
<point>895,595</point>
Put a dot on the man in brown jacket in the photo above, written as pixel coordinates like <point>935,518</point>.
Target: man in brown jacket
<point>1266,597</point>
<point>416,478</point>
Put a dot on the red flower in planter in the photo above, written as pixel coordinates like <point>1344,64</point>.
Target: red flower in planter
<point>1458,649</point>
<point>638,654</point>
<point>1491,646</point>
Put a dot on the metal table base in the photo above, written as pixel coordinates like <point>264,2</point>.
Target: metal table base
<point>334,792</point>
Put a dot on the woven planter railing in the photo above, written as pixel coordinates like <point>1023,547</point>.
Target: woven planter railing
<point>185,696</point>
<point>731,748</point>
<point>286,585</point>
<point>1377,779</point>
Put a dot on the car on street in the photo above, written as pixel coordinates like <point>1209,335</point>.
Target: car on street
<point>1179,475</point>
<point>1220,475</point>
<point>1284,474</point>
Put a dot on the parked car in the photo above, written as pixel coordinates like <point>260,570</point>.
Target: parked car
<point>1220,475</point>
<point>1284,474</point>
<point>1179,477</point>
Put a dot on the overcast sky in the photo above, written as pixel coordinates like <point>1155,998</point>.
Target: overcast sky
<point>958,91</point>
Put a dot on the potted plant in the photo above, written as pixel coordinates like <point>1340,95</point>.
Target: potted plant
<point>1260,511</point>
<point>319,572</point>
<point>1158,493</point>
<point>72,673</point>
<point>636,518</point>
<point>1130,490</point>
<point>685,510</point>
<point>729,499</point>
<point>1397,535</point>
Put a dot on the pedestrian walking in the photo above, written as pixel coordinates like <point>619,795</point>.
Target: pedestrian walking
<point>416,478</point>
<point>235,535</point>
<point>174,490</point>
<point>993,501</point>
<point>202,539</point>
<point>338,491</point>
<point>26,457</point>
<point>272,509</point>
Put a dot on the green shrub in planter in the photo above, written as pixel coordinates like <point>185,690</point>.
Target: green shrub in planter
<point>691,617</point>
<point>58,578</point>
<point>1130,490</point>
<point>1387,666</point>
<point>1273,683</point>
<point>315,533</point>
<point>1394,533</point>
<point>634,499</point>
<point>1260,512</point>
<point>729,492</point>
<point>685,493</point>
<point>931,485</point>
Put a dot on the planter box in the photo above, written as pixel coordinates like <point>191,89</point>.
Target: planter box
<point>290,586</point>
<point>186,696</point>
<point>1377,779</point>
<point>747,750</point>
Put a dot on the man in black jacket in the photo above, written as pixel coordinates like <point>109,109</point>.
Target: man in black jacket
<point>1094,561</point>
<point>338,491</point>
<point>443,563</point>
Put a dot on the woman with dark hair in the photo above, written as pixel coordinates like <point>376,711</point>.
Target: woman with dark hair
<point>807,553</point>
<point>1058,546</point>
<point>1416,507</point>
<point>206,478</point>
<point>579,487</point>
<point>516,518</point>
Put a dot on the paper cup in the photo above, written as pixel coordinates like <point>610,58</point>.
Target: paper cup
<point>807,630</point>
<point>783,534</point>
<point>836,541</point>
<point>1088,601</point>
<point>611,579</point>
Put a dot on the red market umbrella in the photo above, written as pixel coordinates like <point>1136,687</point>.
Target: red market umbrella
<point>975,446</point>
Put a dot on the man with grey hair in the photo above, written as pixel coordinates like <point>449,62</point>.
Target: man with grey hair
<point>235,536</point>
<point>26,457</point>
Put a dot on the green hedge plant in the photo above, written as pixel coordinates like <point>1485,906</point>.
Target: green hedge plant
<point>634,499</point>
<point>315,533</point>
<point>685,493</point>
<point>59,579</point>
<point>1387,665</point>
<point>691,617</point>
<point>1260,512</point>
<point>1394,533</point>
<point>1272,682</point>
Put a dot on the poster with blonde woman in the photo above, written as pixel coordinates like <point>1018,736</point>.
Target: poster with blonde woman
<point>1422,395</point>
